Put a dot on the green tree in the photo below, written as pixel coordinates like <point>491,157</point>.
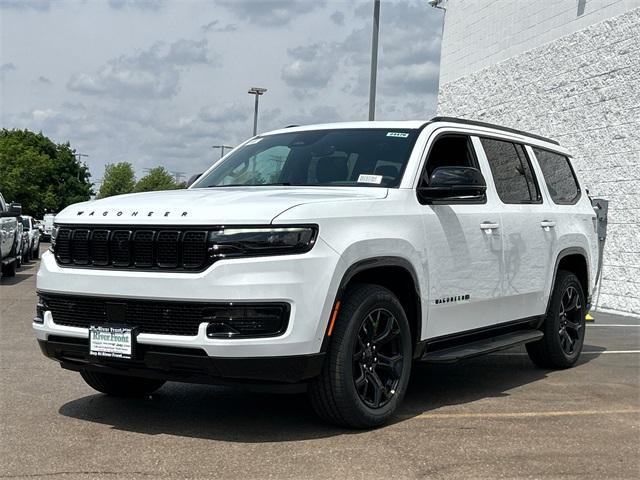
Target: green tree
<point>157,179</point>
<point>39,174</point>
<point>118,179</point>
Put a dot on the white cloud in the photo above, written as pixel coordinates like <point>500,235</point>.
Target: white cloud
<point>270,13</point>
<point>152,73</point>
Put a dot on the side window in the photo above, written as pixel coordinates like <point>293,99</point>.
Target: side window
<point>558,175</point>
<point>511,171</point>
<point>450,150</point>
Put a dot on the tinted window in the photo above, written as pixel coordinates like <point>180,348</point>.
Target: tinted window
<point>558,175</point>
<point>450,151</point>
<point>339,157</point>
<point>511,171</point>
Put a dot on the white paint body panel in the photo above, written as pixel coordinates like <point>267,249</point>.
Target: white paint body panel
<point>506,272</point>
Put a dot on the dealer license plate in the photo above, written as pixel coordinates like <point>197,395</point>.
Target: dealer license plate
<point>115,342</point>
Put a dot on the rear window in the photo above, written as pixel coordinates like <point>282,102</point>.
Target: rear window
<point>559,177</point>
<point>512,173</point>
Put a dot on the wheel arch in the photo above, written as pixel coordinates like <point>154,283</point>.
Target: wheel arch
<point>575,260</point>
<point>399,276</point>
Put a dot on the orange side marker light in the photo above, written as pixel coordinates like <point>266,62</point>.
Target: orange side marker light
<point>334,315</point>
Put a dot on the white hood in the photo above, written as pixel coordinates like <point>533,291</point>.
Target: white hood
<point>226,205</point>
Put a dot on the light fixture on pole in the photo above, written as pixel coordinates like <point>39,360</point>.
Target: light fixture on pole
<point>257,91</point>
<point>221,147</point>
<point>374,59</point>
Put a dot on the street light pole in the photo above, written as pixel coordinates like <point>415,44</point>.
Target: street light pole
<point>222,147</point>
<point>257,91</point>
<point>374,59</point>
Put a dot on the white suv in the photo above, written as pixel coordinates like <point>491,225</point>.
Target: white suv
<point>330,256</point>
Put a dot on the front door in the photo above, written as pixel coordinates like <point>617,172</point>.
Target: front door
<point>464,247</point>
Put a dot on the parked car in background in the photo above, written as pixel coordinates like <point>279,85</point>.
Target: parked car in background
<point>9,237</point>
<point>22,248</point>
<point>29,225</point>
<point>47,225</point>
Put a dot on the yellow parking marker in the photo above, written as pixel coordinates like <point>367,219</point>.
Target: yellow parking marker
<point>589,318</point>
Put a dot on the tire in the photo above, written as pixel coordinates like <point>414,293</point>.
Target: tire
<point>36,252</point>
<point>564,326</point>
<point>9,269</point>
<point>121,385</point>
<point>334,395</point>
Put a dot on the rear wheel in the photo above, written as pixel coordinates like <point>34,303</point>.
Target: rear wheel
<point>368,364</point>
<point>121,385</point>
<point>36,251</point>
<point>564,326</point>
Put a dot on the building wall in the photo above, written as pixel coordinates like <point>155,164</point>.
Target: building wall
<point>582,89</point>
<point>479,33</point>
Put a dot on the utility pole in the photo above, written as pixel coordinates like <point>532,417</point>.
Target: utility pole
<point>222,147</point>
<point>79,157</point>
<point>177,176</point>
<point>257,91</point>
<point>374,60</point>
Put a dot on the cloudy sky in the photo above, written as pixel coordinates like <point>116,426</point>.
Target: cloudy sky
<point>157,82</point>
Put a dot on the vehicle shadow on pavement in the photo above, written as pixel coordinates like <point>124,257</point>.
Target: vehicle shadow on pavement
<point>235,415</point>
<point>21,275</point>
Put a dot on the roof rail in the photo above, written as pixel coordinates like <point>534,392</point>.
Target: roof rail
<point>465,121</point>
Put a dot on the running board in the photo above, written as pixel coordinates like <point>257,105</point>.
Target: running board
<point>480,347</point>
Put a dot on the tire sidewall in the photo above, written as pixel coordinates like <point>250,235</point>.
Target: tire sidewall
<point>382,299</point>
<point>552,323</point>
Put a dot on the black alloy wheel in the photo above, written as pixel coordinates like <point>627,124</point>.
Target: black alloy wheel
<point>368,362</point>
<point>571,328</point>
<point>377,358</point>
<point>564,325</point>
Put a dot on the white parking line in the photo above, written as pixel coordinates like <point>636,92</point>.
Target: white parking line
<point>586,352</point>
<point>436,416</point>
<point>591,325</point>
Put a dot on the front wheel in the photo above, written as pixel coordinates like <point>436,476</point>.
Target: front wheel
<point>36,251</point>
<point>120,385</point>
<point>368,363</point>
<point>564,326</point>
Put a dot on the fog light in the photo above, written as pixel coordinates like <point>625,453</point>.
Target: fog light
<point>235,321</point>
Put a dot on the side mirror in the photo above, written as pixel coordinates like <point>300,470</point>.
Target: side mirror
<point>192,179</point>
<point>454,182</point>
<point>16,208</point>
<point>13,210</point>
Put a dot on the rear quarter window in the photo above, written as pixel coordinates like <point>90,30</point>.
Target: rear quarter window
<point>559,176</point>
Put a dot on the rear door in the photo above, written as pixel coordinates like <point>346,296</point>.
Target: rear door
<point>528,231</point>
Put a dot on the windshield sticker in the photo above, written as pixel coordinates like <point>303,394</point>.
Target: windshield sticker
<point>254,141</point>
<point>377,179</point>
<point>397,134</point>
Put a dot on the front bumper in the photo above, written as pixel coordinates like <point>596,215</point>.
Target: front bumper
<point>184,364</point>
<point>307,283</point>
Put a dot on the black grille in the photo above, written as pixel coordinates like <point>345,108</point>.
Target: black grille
<point>166,318</point>
<point>135,248</point>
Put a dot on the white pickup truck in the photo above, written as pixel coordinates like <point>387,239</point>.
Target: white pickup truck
<point>9,237</point>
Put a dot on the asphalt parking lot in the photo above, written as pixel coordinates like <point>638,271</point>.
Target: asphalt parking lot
<point>492,417</point>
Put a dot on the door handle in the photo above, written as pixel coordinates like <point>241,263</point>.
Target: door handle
<point>547,224</point>
<point>489,227</point>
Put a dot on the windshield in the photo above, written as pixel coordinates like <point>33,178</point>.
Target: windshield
<point>25,223</point>
<point>346,157</point>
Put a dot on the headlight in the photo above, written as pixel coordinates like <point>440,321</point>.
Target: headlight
<point>52,240</point>
<point>258,241</point>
